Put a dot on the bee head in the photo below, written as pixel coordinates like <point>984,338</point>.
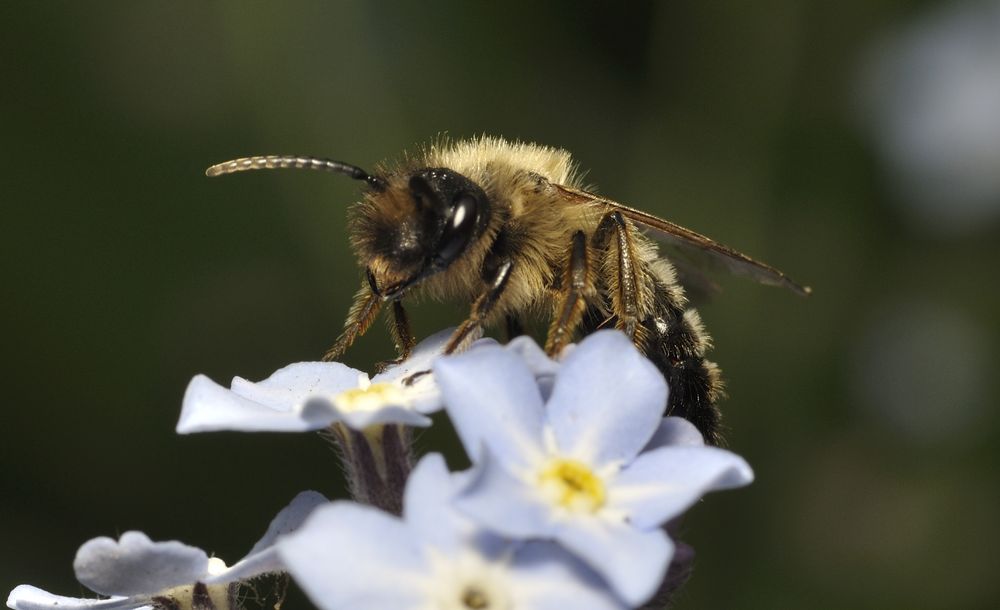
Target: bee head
<point>419,225</point>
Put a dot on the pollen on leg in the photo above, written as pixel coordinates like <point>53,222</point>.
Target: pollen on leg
<point>572,485</point>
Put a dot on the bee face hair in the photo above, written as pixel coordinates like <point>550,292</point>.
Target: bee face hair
<point>418,226</point>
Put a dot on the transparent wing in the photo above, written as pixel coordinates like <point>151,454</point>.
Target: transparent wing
<point>693,250</point>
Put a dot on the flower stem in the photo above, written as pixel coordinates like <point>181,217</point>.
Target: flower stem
<point>376,461</point>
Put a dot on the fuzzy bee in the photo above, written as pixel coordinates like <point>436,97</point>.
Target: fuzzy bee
<point>509,228</point>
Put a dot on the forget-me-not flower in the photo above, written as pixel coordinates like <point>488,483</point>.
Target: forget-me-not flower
<point>353,557</point>
<point>137,572</point>
<point>573,468</point>
<point>313,395</point>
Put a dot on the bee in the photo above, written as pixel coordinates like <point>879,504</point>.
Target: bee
<point>509,228</point>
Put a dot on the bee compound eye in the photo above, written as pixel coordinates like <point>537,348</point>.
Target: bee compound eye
<point>463,215</point>
<point>459,228</point>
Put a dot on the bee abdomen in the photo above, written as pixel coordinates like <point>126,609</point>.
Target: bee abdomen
<point>695,386</point>
<point>676,343</point>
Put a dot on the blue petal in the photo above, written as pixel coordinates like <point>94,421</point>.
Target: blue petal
<point>422,392</point>
<point>349,556</point>
<point>543,367</point>
<point>26,597</point>
<point>427,504</point>
<point>423,389</point>
<point>270,405</point>
<point>359,420</point>
<point>633,562</point>
<point>294,384</point>
<point>209,407</point>
<point>534,356</point>
<point>263,557</point>
<point>675,431</point>
<point>429,511</point>
<point>420,360</point>
<point>663,483</point>
<point>135,565</point>
<point>378,599</point>
<point>492,400</point>
<point>503,503</point>
<point>546,577</point>
<point>607,401</point>
<point>321,412</point>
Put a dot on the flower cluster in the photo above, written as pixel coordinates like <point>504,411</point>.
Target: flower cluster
<point>575,479</point>
<point>135,572</point>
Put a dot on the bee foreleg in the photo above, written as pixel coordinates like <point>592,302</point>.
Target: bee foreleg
<point>576,285</point>
<point>402,336</point>
<point>624,282</point>
<point>401,332</point>
<point>367,303</point>
<point>472,328</point>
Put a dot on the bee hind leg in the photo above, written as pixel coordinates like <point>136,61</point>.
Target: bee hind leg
<point>650,310</point>
<point>623,281</point>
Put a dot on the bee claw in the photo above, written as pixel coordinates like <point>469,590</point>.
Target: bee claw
<point>381,366</point>
<point>411,379</point>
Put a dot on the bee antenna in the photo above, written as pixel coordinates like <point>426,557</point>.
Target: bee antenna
<point>280,162</point>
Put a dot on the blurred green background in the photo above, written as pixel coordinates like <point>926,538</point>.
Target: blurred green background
<point>866,410</point>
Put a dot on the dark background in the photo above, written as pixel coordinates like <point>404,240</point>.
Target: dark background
<point>867,410</point>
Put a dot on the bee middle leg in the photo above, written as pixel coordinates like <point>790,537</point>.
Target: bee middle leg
<point>496,273</point>
<point>577,285</point>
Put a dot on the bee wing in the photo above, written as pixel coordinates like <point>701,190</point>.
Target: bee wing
<point>699,285</point>
<point>692,245</point>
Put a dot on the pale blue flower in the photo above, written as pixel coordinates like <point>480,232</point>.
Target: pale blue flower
<point>138,573</point>
<point>312,395</point>
<point>572,468</point>
<point>539,363</point>
<point>353,557</point>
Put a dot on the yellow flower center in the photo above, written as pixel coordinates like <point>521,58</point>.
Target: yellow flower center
<point>468,581</point>
<point>475,599</point>
<point>370,397</point>
<point>572,485</point>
